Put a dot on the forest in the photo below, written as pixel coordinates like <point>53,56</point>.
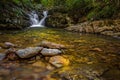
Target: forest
<point>78,10</point>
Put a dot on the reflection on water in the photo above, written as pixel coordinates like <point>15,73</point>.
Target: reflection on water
<point>92,57</point>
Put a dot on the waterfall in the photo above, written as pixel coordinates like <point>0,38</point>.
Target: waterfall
<point>34,19</point>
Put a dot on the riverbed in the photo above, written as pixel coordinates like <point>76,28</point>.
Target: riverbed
<point>92,57</point>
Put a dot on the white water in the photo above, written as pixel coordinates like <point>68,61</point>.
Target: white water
<point>34,19</point>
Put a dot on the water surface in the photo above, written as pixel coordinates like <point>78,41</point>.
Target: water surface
<point>85,64</point>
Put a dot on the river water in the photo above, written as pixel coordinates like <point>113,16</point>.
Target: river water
<point>92,57</point>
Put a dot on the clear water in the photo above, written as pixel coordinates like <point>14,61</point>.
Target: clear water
<point>84,63</point>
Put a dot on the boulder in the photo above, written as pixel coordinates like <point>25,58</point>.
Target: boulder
<point>59,61</point>
<point>50,52</point>
<point>51,45</point>
<point>28,52</point>
<point>2,56</point>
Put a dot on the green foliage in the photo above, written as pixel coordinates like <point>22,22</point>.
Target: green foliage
<point>91,8</point>
<point>48,3</point>
<point>16,1</point>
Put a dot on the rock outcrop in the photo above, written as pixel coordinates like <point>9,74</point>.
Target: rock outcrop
<point>104,27</point>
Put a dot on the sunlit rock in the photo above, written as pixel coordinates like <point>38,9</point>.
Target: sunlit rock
<point>51,45</point>
<point>50,67</point>
<point>50,52</point>
<point>38,64</point>
<point>59,61</point>
<point>28,52</point>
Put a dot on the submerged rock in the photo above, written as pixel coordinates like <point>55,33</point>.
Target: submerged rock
<point>50,52</point>
<point>2,56</point>
<point>39,64</point>
<point>8,44</point>
<point>51,45</point>
<point>97,49</point>
<point>28,52</point>
<point>59,61</point>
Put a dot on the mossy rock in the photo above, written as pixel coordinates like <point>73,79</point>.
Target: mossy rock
<point>58,20</point>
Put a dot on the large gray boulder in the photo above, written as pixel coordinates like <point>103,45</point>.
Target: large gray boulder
<point>28,52</point>
<point>50,52</point>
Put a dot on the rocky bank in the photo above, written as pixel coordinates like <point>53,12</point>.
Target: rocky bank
<point>104,27</point>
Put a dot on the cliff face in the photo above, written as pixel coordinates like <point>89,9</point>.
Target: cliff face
<point>12,16</point>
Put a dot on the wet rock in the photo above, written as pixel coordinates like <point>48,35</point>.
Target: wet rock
<point>2,56</point>
<point>11,54</point>
<point>59,61</point>
<point>50,52</point>
<point>28,52</point>
<point>51,45</point>
<point>9,45</point>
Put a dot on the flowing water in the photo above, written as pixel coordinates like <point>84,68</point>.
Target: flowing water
<point>34,19</point>
<point>85,63</point>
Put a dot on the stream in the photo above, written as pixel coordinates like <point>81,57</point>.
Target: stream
<point>92,57</point>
